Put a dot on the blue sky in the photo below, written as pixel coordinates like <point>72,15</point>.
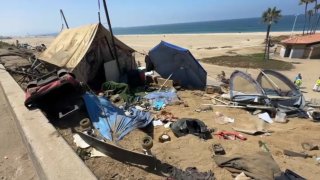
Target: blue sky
<point>25,17</point>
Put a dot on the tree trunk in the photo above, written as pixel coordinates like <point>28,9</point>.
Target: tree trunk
<point>315,29</point>
<point>309,25</point>
<point>315,19</point>
<point>305,18</point>
<point>266,50</point>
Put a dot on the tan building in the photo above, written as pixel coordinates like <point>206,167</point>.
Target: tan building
<point>303,47</point>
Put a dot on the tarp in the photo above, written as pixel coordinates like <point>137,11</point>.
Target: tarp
<point>110,120</point>
<point>244,89</point>
<point>270,88</point>
<point>278,85</point>
<point>169,59</point>
<point>83,51</point>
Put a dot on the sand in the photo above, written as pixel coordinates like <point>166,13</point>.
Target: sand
<point>192,151</point>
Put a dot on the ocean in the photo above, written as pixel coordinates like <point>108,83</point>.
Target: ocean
<point>222,26</point>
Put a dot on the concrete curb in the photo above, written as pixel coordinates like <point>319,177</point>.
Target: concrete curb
<point>52,157</point>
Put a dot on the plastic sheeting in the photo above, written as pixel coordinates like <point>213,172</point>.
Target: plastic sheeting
<point>276,84</point>
<point>110,120</point>
<point>169,59</point>
<point>166,97</point>
<point>244,89</point>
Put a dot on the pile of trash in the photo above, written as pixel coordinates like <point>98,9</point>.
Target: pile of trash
<point>119,106</point>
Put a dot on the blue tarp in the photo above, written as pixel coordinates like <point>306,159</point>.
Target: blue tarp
<point>169,59</point>
<point>110,120</point>
<point>159,99</point>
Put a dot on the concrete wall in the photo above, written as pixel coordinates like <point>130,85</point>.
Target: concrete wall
<point>315,52</point>
<point>282,51</point>
<point>52,157</point>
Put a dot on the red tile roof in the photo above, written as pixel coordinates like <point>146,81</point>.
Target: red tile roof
<point>306,39</point>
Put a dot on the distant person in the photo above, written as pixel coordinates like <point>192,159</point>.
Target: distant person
<point>316,87</point>
<point>298,80</point>
<point>17,43</point>
<point>222,77</point>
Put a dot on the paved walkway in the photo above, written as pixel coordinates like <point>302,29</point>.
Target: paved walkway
<point>15,162</point>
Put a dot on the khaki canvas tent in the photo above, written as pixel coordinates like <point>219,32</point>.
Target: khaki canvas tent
<point>88,52</point>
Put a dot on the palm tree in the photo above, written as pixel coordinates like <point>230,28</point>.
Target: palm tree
<point>270,16</point>
<point>306,2</point>
<point>316,8</point>
<point>314,26</point>
<point>310,14</point>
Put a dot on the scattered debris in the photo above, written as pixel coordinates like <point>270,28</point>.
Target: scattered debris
<point>316,116</point>
<point>264,146</point>
<point>318,160</point>
<point>289,175</point>
<point>157,123</point>
<point>221,119</point>
<point>210,89</point>
<point>266,117</point>
<point>190,173</point>
<point>166,116</point>
<point>121,107</point>
<point>242,176</point>
<point>309,146</point>
<point>80,142</point>
<point>230,135</point>
<point>186,126</point>
<point>295,154</point>
<point>250,131</point>
<point>218,149</point>
<point>281,117</point>
<point>164,137</point>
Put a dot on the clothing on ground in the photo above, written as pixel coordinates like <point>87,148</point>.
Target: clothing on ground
<point>260,165</point>
<point>119,88</point>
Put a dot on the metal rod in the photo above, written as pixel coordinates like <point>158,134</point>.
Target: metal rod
<point>99,11</point>
<point>64,18</point>
<point>112,38</point>
<point>294,24</point>
<point>99,17</point>
<point>270,80</point>
<point>165,82</point>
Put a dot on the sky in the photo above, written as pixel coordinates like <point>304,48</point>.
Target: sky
<point>33,17</point>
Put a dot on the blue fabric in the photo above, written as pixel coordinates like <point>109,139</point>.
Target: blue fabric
<point>163,43</point>
<point>158,105</point>
<point>165,97</point>
<point>185,69</point>
<point>110,120</point>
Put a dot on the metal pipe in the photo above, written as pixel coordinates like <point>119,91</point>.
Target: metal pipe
<point>112,38</point>
<point>294,24</point>
<point>64,18</point>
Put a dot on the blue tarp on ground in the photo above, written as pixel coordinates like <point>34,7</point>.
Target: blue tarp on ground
<point>187,71</point>
<point>110,120</point>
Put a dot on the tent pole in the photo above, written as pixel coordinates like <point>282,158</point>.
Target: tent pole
<point>112,38</point>
<point>99,12</point>
<point>270,80</point>
<point>64,18</point>
<point>165,82</point>
<point>99,17</point>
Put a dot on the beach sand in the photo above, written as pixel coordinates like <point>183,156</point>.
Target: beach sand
<point>190,150</point>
